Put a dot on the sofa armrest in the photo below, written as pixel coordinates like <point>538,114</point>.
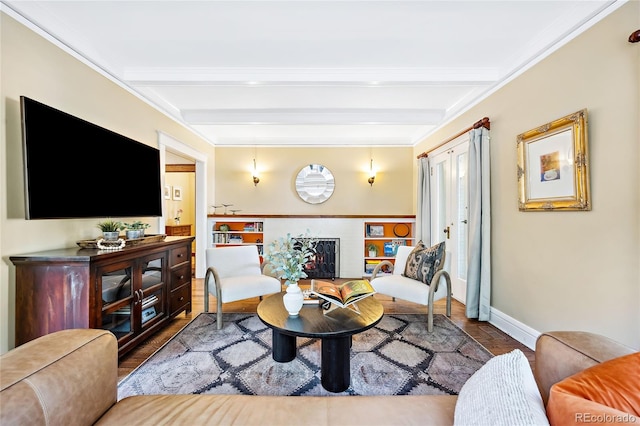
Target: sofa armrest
<point>66,377</point>
<point>560,354</point>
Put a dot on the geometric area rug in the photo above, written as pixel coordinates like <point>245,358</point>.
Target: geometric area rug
<point>396,357</point>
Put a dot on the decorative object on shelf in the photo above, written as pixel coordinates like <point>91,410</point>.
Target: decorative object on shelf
<point>224,227</point>
<point>93,244</point>
<point>401,230</point>
<point>315,184</point>
<point>553,166</point>
<point>225,207</point>
<point>372,173</point>
<point>287,257</point>
<point>390,249</point>
<point>134,230</point>
<point>256,179</point>
<point>110,229</point>
<point>372,249</point>
<point>234,211</point>
<point>375,230</point>
<point>177,218</point>
<point>110,245</point>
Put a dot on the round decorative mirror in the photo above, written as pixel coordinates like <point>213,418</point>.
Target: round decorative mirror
<point>315,184</point>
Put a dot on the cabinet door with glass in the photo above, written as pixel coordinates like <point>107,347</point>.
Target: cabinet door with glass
<point>134,295</point>
<point>115,286</point>
<point>152,291</point>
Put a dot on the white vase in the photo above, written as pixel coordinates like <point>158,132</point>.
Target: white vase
<point>293,299</point>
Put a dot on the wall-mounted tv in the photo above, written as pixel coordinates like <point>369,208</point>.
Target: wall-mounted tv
<point>76,169</point>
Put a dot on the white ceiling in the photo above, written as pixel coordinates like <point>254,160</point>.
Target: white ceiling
<point>312,72</point>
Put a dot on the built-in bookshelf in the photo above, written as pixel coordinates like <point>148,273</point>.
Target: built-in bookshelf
<point>382,238</point>
<point>226,230</point>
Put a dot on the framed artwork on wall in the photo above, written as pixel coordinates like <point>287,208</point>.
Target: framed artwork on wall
<point>177,193</point>
<point>553,166</point>
<point>167,192</point>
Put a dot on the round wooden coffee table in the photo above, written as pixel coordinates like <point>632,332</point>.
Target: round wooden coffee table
<point>334,329</point>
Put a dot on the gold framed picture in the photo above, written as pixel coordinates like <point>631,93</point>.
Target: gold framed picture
<point>553,166</point>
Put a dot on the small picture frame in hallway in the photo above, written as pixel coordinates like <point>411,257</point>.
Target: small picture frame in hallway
<point>167,192</point>
<point>553,166</point>
<point>177,193</point>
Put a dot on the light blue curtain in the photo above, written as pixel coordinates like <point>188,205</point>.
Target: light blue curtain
<point>479,267</point>
<point>423,211</point>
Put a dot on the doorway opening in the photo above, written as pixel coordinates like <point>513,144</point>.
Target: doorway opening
<point>169,146</point>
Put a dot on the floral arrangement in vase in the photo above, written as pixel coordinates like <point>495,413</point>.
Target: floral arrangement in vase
<point>288,255</point>
<point>177,218</point>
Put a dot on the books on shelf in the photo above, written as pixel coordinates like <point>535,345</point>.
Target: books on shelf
<point>370,265</point>
<point>345,294</point>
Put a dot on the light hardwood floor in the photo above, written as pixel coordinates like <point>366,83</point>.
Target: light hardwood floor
<point>487,335</point>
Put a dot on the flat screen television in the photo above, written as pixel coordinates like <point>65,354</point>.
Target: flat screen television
<point>76,169</point>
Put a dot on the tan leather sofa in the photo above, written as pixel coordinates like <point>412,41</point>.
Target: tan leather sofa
<point>70,378</point>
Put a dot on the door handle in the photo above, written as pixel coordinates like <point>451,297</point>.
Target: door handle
<point>447,231</point>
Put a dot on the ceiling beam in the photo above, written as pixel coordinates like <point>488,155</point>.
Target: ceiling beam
<point>319,76</point>
<point>334,116</point>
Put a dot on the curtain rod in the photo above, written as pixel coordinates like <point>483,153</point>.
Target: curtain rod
<point>480,123</point>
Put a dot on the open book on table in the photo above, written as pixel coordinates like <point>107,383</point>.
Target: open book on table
<point>344,294</point>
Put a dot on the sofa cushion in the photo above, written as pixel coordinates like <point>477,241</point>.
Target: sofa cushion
<point>423,262</point>
<point>501,392</point>
<point>605,393</point>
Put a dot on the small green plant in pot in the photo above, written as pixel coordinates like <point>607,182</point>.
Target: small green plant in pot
<point>373,249</point>
<point>110,229</point>
<point>135,229</point>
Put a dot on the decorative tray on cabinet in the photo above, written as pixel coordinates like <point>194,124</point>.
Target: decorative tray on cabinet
<point>153,238</point>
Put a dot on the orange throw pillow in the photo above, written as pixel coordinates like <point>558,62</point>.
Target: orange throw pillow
<point>603,394</point>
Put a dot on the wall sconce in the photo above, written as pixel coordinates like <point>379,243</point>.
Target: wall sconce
<point>372,174</point>
<point>256,179</point>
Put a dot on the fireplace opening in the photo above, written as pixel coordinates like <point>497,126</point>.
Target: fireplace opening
<point>325,263</point>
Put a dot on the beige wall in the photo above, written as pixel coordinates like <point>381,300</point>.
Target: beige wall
<point>34,67</point>
<point>571,270</point>
<point>187,183</point>
<point>392,192</point>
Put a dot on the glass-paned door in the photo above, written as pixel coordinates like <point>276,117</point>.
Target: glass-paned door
<point>450,209</point>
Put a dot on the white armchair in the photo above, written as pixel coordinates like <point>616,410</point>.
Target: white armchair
<point>397,285</point>
<point>234,273</point>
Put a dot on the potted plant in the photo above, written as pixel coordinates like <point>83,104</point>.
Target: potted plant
<point>110,229</point>
<point>373,250</point>
<point>135,229</point>
<point>287,257</point>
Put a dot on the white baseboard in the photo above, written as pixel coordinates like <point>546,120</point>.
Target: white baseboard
<point>514,328</point>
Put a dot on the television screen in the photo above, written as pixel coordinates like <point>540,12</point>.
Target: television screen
<point>75,169</point>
